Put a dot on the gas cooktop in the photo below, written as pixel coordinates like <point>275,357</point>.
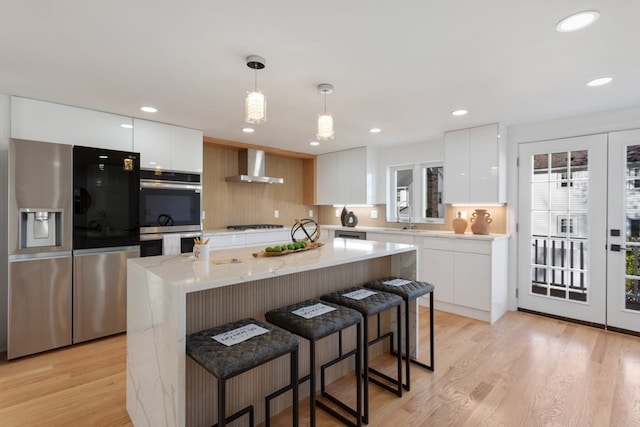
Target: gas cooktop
<point>253,226</point>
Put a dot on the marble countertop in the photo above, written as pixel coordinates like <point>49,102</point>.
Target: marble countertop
<point>384,230</point>
<point>253,230</point>
<point>183,272</point>
<point>419,232</point>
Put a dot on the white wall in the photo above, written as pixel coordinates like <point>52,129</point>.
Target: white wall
<point>588,124</point>
<point>5,132</point>
<point>398,155</point>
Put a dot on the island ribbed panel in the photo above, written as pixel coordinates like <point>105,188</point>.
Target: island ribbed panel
<point>215,307</point>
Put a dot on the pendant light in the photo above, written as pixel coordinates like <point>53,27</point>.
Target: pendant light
<point>256,102</point>
<point>325,121</point>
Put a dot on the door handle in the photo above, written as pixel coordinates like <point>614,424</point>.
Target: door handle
<point>618,248</point>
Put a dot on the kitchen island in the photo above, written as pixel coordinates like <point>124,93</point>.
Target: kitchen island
<point>169,297</point>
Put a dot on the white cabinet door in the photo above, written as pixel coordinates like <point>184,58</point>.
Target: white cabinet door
<point>472,278</point>
<point>407,239</point>
<point>225,240</point>
<point>49,122</point>
<point>438,268</point>
<point>186,149</point>
<point>268,237</point>
<point>456,166</point>
<point>352,176</point>
<point>474,166</point>
<point>167,147</point>
<point>327,179</point>
<point>153,141</point>
<point>345,177</point>
<point>483,164</point>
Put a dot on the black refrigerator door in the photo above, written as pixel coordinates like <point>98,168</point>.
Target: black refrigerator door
<point>106,186</point>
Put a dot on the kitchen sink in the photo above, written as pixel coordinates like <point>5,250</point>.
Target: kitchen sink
<point>404,230</point>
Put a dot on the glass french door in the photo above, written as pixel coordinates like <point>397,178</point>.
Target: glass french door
<point>579,237</point>
<point>562,223</point>
<point>623,259</point>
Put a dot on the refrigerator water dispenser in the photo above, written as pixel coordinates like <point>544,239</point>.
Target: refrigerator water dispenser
<point>40,228</point>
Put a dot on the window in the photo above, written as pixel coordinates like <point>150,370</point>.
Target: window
<point>415,193</point>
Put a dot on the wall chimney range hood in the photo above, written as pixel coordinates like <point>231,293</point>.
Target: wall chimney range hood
<point>251,168</point>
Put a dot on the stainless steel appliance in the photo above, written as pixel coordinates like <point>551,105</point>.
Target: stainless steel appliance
<point>106,232</point>
<point>154,244</point>
<point>348,234</point>
<point>254,226</point>
<point>170,212</point>
<point>40,263</point>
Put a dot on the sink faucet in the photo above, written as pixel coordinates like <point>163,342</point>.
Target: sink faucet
<point>409,216</point>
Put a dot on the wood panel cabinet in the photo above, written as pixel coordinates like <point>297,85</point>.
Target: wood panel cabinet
<point>167,147</point>
<point>470,276</point>
<point>49,122</point>
<point>475,165</point>
<point>346,177</point>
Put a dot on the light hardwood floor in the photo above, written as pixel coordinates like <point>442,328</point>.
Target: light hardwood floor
<point>525,370</point>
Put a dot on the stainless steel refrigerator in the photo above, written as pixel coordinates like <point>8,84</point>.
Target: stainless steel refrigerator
<point>106,232</point>
<point>40,258</point>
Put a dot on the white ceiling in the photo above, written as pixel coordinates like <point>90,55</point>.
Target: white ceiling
<point>401,65</point>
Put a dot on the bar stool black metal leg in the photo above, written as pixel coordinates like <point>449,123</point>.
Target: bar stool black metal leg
<point>312,382</point>
<point>293,372</point>
<point>365,358</point>
<point>407,344</point>
<point>221,403</point>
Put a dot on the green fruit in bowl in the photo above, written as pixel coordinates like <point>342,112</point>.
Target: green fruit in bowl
<point>269,249</point>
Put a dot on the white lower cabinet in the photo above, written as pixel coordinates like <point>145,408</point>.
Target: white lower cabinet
<point>391,238</point>
<point>470,276</point>
<point>247,238</point>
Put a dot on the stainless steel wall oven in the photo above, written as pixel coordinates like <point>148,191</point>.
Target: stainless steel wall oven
<point>170,212</point>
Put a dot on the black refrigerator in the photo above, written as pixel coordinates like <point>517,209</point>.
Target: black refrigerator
<point>106,232</point>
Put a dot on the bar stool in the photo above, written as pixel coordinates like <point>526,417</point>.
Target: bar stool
<point>409,290</point>
<point>369,303</point>
<point>225,362</point>
<point>303,320</point>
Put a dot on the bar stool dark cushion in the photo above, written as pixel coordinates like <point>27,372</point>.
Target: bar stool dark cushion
<point>316,327</point>
<point>373,304</point>
<point>226,361</point>
<point>408,291</point>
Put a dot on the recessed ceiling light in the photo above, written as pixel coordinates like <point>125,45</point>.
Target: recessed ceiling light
<point>103,157</point>
<point>149,109</point>
<point>459,112</point>
<point>314,143</point>
<point>599,82</point>
<point>248,130</point>
<point>375,130</point>
<point>577,21</point>
<point>126,126</point>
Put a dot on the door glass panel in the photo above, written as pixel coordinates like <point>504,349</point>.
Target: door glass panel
<point>559,220</point>
<point>632,265</point>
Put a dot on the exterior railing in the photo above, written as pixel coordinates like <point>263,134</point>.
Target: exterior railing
<point>560,269</point>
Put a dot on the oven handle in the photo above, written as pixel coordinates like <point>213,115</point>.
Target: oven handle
<point>144,183</point>
<point>151,237</point>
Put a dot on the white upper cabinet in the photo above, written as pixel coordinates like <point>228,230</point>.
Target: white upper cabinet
<point>475,165</point>
<point>346,177</point>
<point>167,147</point>
<point>48,122</point>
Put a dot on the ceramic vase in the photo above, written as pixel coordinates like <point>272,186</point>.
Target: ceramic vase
<point>459,224</point>
<point>343,216</point>
<point>480,221</point>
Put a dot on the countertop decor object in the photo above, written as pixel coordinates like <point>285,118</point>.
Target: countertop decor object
<point>459,224</point>
<point>309,246</point>
<point>480,221</point>
<point>305,230</point>
<point>352,219</point>
<point>343,216</point>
